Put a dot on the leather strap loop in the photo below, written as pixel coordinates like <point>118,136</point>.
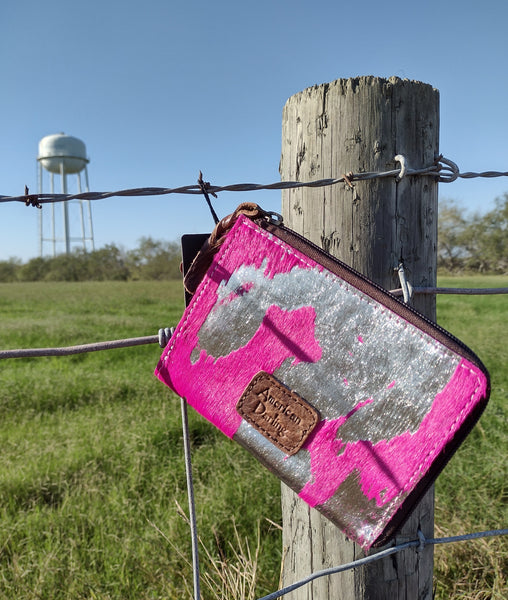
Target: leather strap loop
<point>205,256</point>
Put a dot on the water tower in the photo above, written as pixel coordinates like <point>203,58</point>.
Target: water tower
<point>64,155</point>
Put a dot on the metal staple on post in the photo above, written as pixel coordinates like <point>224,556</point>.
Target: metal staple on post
<point>400,158</point>
<point>407,288</point>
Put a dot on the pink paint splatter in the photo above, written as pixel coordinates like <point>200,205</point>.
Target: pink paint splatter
<point>390,466</point>
<point>360,339</point>
<point>281,335</point>
<point>391,385</point>
<point>360,405</point>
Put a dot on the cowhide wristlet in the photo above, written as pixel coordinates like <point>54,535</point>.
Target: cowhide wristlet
<point>352,398</point>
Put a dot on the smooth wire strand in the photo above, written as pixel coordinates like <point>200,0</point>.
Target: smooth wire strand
<point>444,290</point>
<point>163,336</point>
<point>444,169</point>
<point>79,349</point>
<point>192,504</point>
<point>419,544</point>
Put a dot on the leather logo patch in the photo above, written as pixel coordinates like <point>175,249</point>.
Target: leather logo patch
<point>279,414</point>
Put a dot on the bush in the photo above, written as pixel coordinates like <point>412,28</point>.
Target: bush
<point>8,270</point>
<point>153,259</point>
<point>473,243</point>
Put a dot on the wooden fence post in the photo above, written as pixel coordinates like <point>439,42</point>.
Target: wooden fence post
<point>358,125</point>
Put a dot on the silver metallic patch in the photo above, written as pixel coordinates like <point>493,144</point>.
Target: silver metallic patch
<point>350,510</point>
<point>375,367</point>
<point>293,470</point>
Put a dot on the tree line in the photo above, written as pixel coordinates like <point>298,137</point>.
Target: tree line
<point>473,243</point>
<point>466,243</point>
<point>152,259</point>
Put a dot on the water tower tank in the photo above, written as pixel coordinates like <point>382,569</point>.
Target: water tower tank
<point>64,156</point>
<point>60,150</point>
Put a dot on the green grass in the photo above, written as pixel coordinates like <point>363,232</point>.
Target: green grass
<point>471,493</point>
<point>92,471</point>
<point>91,467</point>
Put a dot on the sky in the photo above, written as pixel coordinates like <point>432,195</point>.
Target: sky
<point>159,90</point>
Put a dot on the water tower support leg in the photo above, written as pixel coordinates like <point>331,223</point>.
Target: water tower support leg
<point>65,211</point>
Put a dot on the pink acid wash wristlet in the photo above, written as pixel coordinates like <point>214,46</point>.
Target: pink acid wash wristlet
<point>352,398</point>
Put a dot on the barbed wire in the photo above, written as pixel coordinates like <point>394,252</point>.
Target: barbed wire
<point>444,169</point>
<point>419,544</point>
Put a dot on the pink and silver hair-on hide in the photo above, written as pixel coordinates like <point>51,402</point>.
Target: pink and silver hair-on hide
<point>390,397</point>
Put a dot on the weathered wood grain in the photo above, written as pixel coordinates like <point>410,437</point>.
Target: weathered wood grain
<point>358,125</point>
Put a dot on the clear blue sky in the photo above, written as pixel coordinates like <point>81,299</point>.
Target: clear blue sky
<point>160,89</point>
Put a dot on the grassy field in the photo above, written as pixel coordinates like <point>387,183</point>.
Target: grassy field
<point>92,476</point>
